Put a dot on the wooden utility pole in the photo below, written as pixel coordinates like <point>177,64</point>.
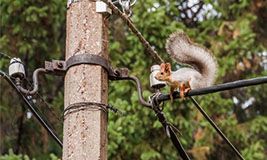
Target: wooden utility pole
<point>85,131</point>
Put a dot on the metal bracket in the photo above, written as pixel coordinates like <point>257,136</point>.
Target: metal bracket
<point>119,74</point>
<point>56,67</point>
<point>59,67</point>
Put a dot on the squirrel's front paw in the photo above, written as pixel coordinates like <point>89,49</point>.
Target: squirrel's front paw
<point>184,88</point>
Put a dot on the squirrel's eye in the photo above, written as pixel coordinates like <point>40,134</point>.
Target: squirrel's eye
<point>161,73</point>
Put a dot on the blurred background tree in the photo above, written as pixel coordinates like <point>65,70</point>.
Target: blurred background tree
<point>234,30</point>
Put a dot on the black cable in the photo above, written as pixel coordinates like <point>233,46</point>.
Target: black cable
<point>31,108</point>
<point>6,56</point>
<point>171,134</point>
<point>48,106</point>
<point>150,50</point>
<point>3,55</point>
<point>45,102</point>
<point>168,127</point>
<point>216,128</point>
<point>216,88</point>
<point>41,114</point>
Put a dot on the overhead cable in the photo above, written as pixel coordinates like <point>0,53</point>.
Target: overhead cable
<point>133,28</point>
<point>31,108</point>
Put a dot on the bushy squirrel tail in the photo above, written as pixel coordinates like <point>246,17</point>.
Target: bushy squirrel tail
<point>180,47</point>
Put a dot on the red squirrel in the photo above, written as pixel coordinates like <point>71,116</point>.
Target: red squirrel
<point>183,50</point>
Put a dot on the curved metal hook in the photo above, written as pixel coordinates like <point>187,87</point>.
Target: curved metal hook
<point>140,91</point>
<point>35,82</point>
<point>138,87</point>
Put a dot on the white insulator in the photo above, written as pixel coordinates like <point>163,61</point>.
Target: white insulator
<point>16,68</point>
<point>154,83</point>
<point>102,7</point>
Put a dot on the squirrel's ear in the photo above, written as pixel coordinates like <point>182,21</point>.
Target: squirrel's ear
<point>162,66</point>
<point>168,67</point>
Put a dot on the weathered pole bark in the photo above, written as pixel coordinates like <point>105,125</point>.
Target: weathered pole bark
<point>85,131</point>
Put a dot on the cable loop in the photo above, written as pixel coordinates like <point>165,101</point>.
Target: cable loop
<point>92,106</point>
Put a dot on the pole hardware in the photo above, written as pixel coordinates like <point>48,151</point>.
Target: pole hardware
<point>16,68</point>
<point>35,76</point>
<point>102,7</point>
<point>59,67</point>
<point>17,72</point>
<point>114,74</point>
<point>139,90</point>
<point>87,58</point>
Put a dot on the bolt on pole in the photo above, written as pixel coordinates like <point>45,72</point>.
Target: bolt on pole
<point>85,131</point>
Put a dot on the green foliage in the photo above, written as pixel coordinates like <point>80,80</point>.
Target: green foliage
<point>35,31</point>
<point>256,139</point>
<point>254,151</point>
<point>12,156</point>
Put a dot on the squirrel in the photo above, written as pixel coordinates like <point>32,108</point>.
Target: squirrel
<point>183,50</point>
